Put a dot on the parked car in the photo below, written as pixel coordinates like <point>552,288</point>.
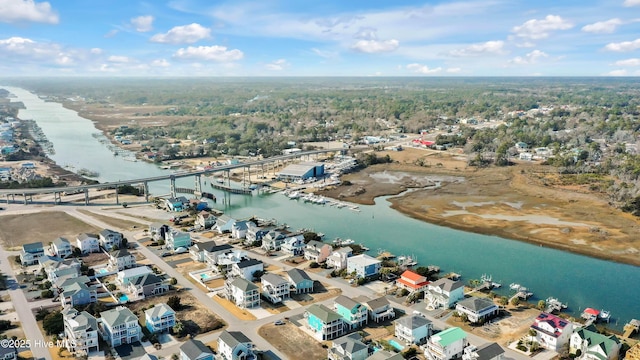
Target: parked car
<point>278,322</point>
<point>180,250</point>
<point>165,254</point>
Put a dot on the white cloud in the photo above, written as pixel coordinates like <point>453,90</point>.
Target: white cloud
<point>486,48</point>
<point>142,23</point>
<point>23,50</point>
<point>27,10</point>
<point>366,33</point>
<point>620,72</point>
<point>628,62</point>
<point>454,70</point>
<point>530,58</point>
<point>96,51</point>
<point>277,65</point>
<point>111,33</point>
<point>526,44</point>
<point>324,53</point>
<point>422,69</point>
<point>119,59</point>
<point>210,53</point>
<point>603,27</point>
<point>623,46</point>
<point>536,29</point>
<point>629,3</point>
<point>160,63</point>
<point>375,46</point>
<point>187,34</point>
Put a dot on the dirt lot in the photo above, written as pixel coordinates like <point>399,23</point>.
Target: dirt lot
<point>236,311</point>
<point>115,222</point>
<point>515,202</point>
<point>197,318</point>
<point>321,293</point>
<point>95,259</point>
<point>44,226</point>
<point>293,342</point>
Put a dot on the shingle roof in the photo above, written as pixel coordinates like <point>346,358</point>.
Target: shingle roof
<point>489,351</point>
<point>385,355</point>
<point>476,304</point>
<point>32,247</point>
<point>61,242</point>
<point>273,279</point>
<point>377,303</point>
<point>297,275</point>
<point>413,322</point>
<point>206,246</point>
<point>323,313</point>
<point>84,236</point>
<point>120,253</point>
<point>346,302</point>
<point>447,284</point>
<point>247,263</point>
<point>194,348</point>
<point>118,316</point>
<point>243,284</point>
<point>107,232</point>
<point>158,310</point>
<point>233,338</point>
<point>84,320</point>
<point>147,279</point>
<point>350,343</point>
<point>220,247</point>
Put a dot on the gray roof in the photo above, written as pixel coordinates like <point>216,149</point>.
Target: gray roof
<point>413,322</point>
<point>273,279</point>
<point>297,275</point>
<point>80,279</point>
<point>385,355</point>
<point>377,303</point>
<point>118,316</point>
<point>120,253</point>
<point>315,244</point>
<point>247,263</point>
<point>489,351</point>
<point>240,225</point>
<point>223,220</point>
<point>220,247</point>
<point>476,304</point>
<point>233,338</point>
<point>346,302</point>
<point>243,284</point>
<point>136,271</point>
<point>85,320</point>
<point>299,169</point>
<point>323,313</point>
<point>61,242</point>
<point>33,247</point>
<point>147,279</point>
<point>344,250</point>
<point>447,284</point>
<point>107,232</point>
<point>84,236</point>
<point>351,343</point>
<point>194,348</point>
<point>158,310</point>
<point>207,245</point>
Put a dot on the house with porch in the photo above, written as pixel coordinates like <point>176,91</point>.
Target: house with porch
<point>224,224</point>
<point>477,310</point>
<point>413,329</point>
<point>234,345</point>
<point>57,268</point>
<point>158,230</point>
<point>338,258</point>
<point>80,331</point>
<point>412,281</point>
<point>588,344</point>
<point>217,255</point>
<point>30,253</point>
<point>354,315</point>
<point>552,332</point>
<point>363,265</point>
<point>88,243</point>
<point>198,249</point>
<point>177,239</point>
<point>246,268</point>
<point>300,281</point>
<point>61,247</point>
<point>205,219</point>
<point>293,246</point>
<point>488,351</point>
<point>121,259</point>
<point>274,288</point>
<point>348,347</point>
<point>126,276</point>
<point>160,318</point>
<point>119,326</point>
<point>193,349</point>
<point>273,240</point>
<point>239,229</point>
<point>109,238</point>
<point>380,309</point>
<point>76,291</point>
<point>446,345</point>
<point>317,251</point>
<point>147,285</point>
<point>324,323</point>
<point>254,233</point>
<point>443,293</point>
<point>242,292</point>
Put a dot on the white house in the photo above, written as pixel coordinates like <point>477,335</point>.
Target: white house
<point>121,259</point>
<point>300,281</point>
<point>246,268</point>
<point>293,245</point>
<point>380,309</point>
<point>242,292</point>
<point>205,219</point>
<point>81,331</point>
<point>119,326</point>
<point>588,344</point>
<point>552,332</point>
<point>124,277</point>
<point>239,229</point>
<point>160,318</point>
<point>109,238</point>
<point>477,309</point>
<point>363,265</point>
<point>444,293</point>
<point>273,240</point>
<point>234,345</point>
<point>30,253</point>
<point>198,249</point>
<point>87,243</point>
<point>488,351</point>
<point>446,345</point>
<point>275,288</point>
<point>348,347</point>
<point>195,350</point>
<point>338,258</point>
<point>61,247</point>
<point>413,329</point>
<point>224,224</point>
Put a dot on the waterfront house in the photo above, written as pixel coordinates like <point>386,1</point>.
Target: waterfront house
<point>552,332</point>
<point>588,344</point>
<point>61,247</point>
<point>477,310</point>
<point>121,259</point>
<point>246,268</point>
<point>239,229</point>
<point>197,250</point>
<point>446,345</point>
<point>160,318</point>
<point>176,204</point>
<point>194,349</point>
<point>412,281</point>
<point>294,245</point>
<point>444,293</point>
<point>254,233</point>
<point>242,292</point>
<point>224,224</point>
<point>348,347</point>
<point>300,281</point>
<point>88,243</point>
<point>363,265</point>
<point>380,309</point>
<point>274,288</point>
<point>273,240</point>
<point>338,258</point>
<point>75,291</point>
<point>158,230</point>
<point>176,239</point>
<point>324,323</point>
<point>30,253</point>
<point>354,314</point>
<point>205,219</point>
<point>317,251</point>
<point>234,345</point>
<point>119,326</point>
<point>109,238</point>
<point>124,277</point>
<point>147,285</point>
<point>80,331</point>
<point>413,329</point>
<point>488,351</point>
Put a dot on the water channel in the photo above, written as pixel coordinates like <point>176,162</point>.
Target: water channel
<point>574,279</point>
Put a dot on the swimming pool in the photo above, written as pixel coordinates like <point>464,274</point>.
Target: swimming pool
<point>103,271</point>
<point>124,298</point>
<point>205,277</point>
<point>396,345</point>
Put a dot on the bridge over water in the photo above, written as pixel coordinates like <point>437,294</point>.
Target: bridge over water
<point>57,192</point>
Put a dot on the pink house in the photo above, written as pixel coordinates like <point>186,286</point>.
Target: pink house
<point>317,251</point>
<point>552,332</point>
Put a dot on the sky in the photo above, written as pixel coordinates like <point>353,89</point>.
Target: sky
<point>320,38</point>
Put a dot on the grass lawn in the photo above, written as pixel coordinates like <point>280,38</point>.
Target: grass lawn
<point>113,221</point>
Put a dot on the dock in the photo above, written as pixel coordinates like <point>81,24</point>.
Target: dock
<point>231,190</point>
<point>631,327</point>
<point>554,305</point>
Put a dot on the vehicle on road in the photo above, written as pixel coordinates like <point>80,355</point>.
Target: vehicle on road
<point>165,254</point>
<point>278,322</point>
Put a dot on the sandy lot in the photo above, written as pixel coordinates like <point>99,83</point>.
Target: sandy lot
<point>293,342</point>
<point>514,202</point>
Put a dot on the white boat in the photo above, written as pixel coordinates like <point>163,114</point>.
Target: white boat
<point>515,286</point>
<point>496,285</point>
<point>604,315</point>
<point>294,195</point>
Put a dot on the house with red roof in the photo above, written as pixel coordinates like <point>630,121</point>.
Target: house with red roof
<point>412,281</point>
<point>552,332</point>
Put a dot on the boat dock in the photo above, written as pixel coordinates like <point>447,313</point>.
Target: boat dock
<point>554,305</point>
<point>231,190</point>
<point>631,327</point>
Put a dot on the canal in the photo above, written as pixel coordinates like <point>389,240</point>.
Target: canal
<point>574,279</point>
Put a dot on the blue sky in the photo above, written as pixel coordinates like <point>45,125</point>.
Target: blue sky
<point>320,38</point>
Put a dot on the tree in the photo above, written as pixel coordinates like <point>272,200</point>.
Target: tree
<point>53,323</point>
<point>258,274</point>
<point>174,303</point>
<point>179,328</point>
<point>314,265</point>
<point>111,287</point>
<point>409,353</point>
<point>5,325</point>
<point>503,301</point>
<point>46,294</point>
<point>541,305</point>
<point>515,301</point>
<point>173,281</point>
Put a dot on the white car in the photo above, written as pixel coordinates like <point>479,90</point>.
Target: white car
<point>180,250</point>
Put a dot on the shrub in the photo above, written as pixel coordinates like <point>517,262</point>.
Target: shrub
<point>46,294</point>
<point>174,303</point>
<point>173,281</point>
<point>314,265</point>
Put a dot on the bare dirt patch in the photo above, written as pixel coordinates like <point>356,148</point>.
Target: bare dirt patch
<point>241,314</point>
<point>113,221</point>
<point>321,293</point>
<point>95,259</point>
<point>293,342</point>
<point>45,226</point>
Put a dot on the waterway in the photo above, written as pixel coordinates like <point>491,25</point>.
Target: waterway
<point>574,279</point>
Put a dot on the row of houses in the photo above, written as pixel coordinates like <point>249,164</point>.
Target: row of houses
<point>275,288</point>
<point>61,247</point>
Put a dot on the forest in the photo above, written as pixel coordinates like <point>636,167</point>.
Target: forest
<point>590,125</point>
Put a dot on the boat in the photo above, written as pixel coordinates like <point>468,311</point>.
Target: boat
<point>515,286</point>
<point>604,315</point>
<point>294,195</point>
<point>496,285</point>
<point>407,261</point>
<point>343,242</point>
<point>88,173</point>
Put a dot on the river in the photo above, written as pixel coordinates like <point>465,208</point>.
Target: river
<point>574,279</point>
